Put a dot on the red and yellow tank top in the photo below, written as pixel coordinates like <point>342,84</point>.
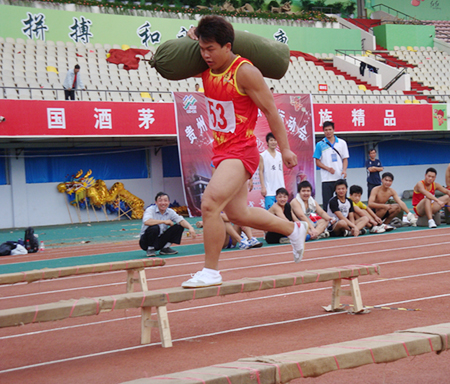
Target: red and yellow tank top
<point>232,114</point>
<point>418,197</point>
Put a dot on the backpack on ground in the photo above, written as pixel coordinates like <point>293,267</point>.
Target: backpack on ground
<point>31,241</point>
<point>7,247</point>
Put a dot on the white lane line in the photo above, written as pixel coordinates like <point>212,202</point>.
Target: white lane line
<point>239,268</point>
<point>208,335</point>
<point>284,294</point>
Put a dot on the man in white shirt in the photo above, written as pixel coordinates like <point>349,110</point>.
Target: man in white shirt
<point>331,156</point>
<point>162,226</point>
<point>72,82</point>
<point>270,171</point>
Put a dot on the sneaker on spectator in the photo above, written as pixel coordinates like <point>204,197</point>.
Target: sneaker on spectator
<point>377,229</point>
<point>387,227</point>
<point>431,224</point>
<point>168,251</point>
<point>285,240</point>
<point>151,252</point>
<point>412,219</point>
<point>297,239</point>
<point>347,233</point>
<point>324,235</point>
<point>244,244</point>
<point>202,279</point>
<point>255,243</point>
<point>362,231</point>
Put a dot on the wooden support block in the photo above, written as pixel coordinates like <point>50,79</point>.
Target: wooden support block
<point>131,280</point>
<point>336,295</point>
<point>356,295</point>
<point>162,322</point>
<point>164,327</point>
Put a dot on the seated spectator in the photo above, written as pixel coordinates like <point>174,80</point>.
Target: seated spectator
<point>233,238</point>
<point>379,197</point>
<point>341,208</point>
<point>424,201</point>
<point>375,224</point>
<point>307,209</point>
<point>447,177</point>
<point>162,226</point>
<point>283,210</point>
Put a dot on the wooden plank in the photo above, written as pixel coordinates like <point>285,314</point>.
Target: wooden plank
<point>54,273</point>
<point>313,362</point>
<point>356,295</point>
<point>93,306</point>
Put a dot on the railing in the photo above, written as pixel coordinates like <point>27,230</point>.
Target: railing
<point>366,98</point>
<point>397,65</point>
<point>406,17</point>
<point>343,51</point>
<point>59,92</point>
<point>394,80</point>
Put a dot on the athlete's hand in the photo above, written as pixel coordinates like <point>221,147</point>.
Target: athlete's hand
<point>191,33</point>
<point>289,158</point>
<point>263,191</point>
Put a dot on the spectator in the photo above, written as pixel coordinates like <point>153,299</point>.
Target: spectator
<point>424,200</point>
<point>447,177</point>
<point>162,226</point>
<point>270,171</point>
<point>373,166</point>
<point>72,82</point>
<point>198,88</point>
<point>341,208</point>
<point>331,156</point>
<point>307,209</point>
<point>233,236</point>
<point>282,209</point>
<point>375,224</point>
<point>380,196</point>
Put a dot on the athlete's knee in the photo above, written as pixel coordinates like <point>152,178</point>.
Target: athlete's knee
<point>210,206</point>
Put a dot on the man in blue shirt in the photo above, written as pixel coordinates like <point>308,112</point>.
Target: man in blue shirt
<point>162,226</point>
<point>331,156</point>
<point>373,166</point>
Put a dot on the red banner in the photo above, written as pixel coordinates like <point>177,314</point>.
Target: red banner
<point>86,118</point>
<point>374,117</point>
<point>195,144</point>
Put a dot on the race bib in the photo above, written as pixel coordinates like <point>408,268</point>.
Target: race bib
<point>221,115</point>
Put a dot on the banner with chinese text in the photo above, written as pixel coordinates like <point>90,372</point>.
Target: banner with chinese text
<point>195,144</point>
<point>374,117</point>
<point>86,118</point>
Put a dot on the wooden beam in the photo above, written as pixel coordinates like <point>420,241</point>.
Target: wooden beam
<point>313,362</point>
<point>54,273</point>
<point>93,306</point>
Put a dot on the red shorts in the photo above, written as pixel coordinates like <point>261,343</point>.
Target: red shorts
<point>248,155</point>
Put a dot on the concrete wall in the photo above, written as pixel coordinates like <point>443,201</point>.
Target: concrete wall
<point>390,35</point>
<point>368,41</point>
<point>41,204</point>
<point>385,72</point>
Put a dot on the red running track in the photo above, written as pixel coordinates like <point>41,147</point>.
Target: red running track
<point>415,274</point>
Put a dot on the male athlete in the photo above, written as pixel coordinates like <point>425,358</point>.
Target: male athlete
<point>234,90</point>
<point>424,201</point>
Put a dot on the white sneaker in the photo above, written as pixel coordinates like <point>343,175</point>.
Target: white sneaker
<point>244,245</point>
<point>377,229</point>
<point>387,227</point>
<point>431,224</point>
<point>202,279</point>
<point>297,239</point>
<point>324,235</point>
<point>412,219</point>
<point>254,243</point>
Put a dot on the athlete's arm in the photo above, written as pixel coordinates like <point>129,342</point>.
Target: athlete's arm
<point>261,177</point>
<point>251,82</point>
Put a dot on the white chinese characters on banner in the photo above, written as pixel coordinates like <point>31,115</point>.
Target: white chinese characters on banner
<point>56,118</point>
<point>201,125</point>
<point>389,119</point>
<point>103,118</point>
<point>358,117</point>
<point>146,117</point>
<point>190,134</point>
<point>325,115</point>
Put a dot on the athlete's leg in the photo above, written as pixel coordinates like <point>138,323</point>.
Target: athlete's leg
<point>424,208</point>
<point>229,178</point>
